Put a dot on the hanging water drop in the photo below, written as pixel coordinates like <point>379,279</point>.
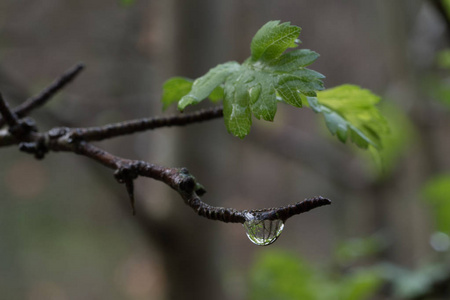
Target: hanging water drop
<point>262,232</point>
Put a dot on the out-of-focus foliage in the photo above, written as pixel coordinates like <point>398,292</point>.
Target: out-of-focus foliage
<point>440,90</point>
<point>127,2</point>
<point>439,86</point>
<point>353,250</point>
<point>415,284</point>
<point>282,276</point>
<point>447,6</point>
<point>437,193</point>
<point>401,136</point>
<point>408,284</point>
<point>443,59</point>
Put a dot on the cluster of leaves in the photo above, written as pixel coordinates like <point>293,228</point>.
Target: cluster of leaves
<point>269,76</point>
<point>254,87</point>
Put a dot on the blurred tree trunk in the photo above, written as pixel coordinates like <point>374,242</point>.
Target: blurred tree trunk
<point>187,241</point>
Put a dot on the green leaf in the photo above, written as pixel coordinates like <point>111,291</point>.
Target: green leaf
<point>294,60</point>
<point>205,85</point>
<point>174,89</point>
<point>217,94</point>
<point>273,39</point>
<point>236,110</point>
<point>350,111</point>
<point>288,91</point>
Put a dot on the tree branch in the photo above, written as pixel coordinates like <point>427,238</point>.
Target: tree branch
<point>133,126</point>
<point>185,184</point>
<point>76,140</point>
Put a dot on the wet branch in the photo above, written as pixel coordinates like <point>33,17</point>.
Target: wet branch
<point>24,133</point>
<point>128,127</point>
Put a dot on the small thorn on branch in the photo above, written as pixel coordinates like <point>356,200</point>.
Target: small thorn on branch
<point>127,175</point>
<point>129,183</point>
<point>38,149</point>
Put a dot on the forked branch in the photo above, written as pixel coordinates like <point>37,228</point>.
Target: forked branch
<point>23,133</point>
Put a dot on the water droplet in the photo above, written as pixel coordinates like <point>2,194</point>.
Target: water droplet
<point>262,232</point>
<point>249,79</point>
<point>254,93</point>
<point>236,110</point>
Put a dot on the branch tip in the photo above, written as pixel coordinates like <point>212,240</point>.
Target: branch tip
<point>46,94</point>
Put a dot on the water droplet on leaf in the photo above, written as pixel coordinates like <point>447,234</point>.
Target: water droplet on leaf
<point>249,79</point>
<point>254,93</point>
<point>262,232</point>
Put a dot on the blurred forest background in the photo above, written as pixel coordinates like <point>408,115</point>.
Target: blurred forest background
<point>66,230</point>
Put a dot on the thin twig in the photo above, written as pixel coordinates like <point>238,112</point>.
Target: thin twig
<point>34,102</point>
<point>129,127</point>
<point>179,179</point>
<point>76,140</point>
<point>184,183</point>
